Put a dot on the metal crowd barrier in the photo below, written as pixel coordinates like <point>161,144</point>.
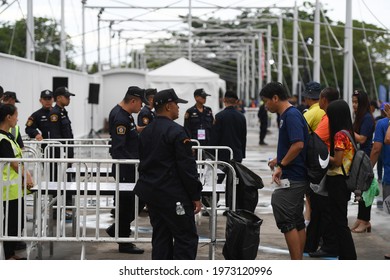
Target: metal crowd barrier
<point>43,229</point>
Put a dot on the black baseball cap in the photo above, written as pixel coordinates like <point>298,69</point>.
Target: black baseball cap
<point>312,91</point>
<point>138,92</point>
<point>150,92</point>
<point>167,95</point>
<point>231,94</point>
<point>11,94</point>
<point>62,91</point>
<point>46,93</point>
<point>200,92</point>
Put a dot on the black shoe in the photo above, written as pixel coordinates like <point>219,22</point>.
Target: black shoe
<point>263,144</point>
<point>322,254</point>
<point>20,245</point>
<point>130,248</point>
<point>111,230</point>
<point>225,213</point>
<point>68,216</point>
<point>112,212</point>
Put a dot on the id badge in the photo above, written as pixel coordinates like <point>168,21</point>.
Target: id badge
<point>201,134</point>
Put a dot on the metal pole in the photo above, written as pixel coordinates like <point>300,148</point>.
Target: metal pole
<point>316,54</point>
<point>253,67</point>
<point>84,63</point>
<point>98,50</point>
<point>189,31</point>
<point>126,53</point>
<point>110,44</point>
<point>348,55</point>
<point>247,74</point>
<point>238,59</point>
<point>295,51</point>
<point>260,61</point>
<point>280,49</point>
<point>242,74</point>
<point>269,53</point>
<point>63,37</point>
<point>119,48</point>
<point>30,48</point>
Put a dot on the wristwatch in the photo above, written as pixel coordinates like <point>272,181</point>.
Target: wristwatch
<point>280,164</point>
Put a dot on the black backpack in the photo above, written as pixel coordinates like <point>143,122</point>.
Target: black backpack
<point>317,157</point>
<point>361,172</point>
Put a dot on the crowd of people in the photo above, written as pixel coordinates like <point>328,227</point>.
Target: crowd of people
<point>168,184</point>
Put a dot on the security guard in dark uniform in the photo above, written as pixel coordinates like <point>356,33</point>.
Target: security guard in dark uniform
<point>198,119</point>
<point>124,145</point>
<point>147,115</point>
<point>168,177</point>
<point>60,128</point>
<point>37,126</point>
<point>229,129</point>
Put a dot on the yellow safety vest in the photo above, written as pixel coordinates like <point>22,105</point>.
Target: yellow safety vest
<point>15,131</point>
<point>10,176</point>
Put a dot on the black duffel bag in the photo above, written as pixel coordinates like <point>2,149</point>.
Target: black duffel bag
<point>242,235</point>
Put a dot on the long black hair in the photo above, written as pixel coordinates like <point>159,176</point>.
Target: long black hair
<point>5,110</point>
<point>362,109</point>
<point>339,116</point>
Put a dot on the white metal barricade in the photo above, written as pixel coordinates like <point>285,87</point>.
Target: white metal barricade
<point>43,228</point>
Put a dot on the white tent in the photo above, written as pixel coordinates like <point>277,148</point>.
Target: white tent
<point>185,77</point>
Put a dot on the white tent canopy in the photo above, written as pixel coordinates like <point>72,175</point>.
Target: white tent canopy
<point>185,77</point>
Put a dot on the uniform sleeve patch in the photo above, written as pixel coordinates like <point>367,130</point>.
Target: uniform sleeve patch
<point>29,122</point>
<point>120,130</point>
<point>187,115</point>
<point>145,120</point>
<point>186,141</point>
<point>54,118</point>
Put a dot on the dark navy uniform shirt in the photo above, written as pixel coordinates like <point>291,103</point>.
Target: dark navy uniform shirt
<point>195,120</point>
<point>167,170</point>
<point>145,116</point>
<point>60,124</point>
<point>38,120</point>
<point>124,134</point>
<point>229,130</point>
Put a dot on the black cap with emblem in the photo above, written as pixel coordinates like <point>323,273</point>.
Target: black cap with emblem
<point>200,92</point>
<point>62,91</point>
<point>47,94</point>
<point>11,94</point>
<point>138,92</point>
<point>167,95</point>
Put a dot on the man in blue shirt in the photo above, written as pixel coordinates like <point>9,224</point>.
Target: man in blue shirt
<point>289,168</point>
<point>381,142</point>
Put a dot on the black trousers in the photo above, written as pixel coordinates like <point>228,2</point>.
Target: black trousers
<point>320,226</point>
<point>339,196</point>
<point>126,199</point>
<point>174,236</point>
<point>364,213</point>
<point>9,246</point>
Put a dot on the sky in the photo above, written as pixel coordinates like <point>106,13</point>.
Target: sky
<point>371,11</point>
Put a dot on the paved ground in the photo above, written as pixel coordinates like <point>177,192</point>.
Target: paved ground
<point>369,246</point>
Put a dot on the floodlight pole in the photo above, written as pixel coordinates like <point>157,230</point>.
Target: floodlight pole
<point>189,31</point>
<point>63,37</point>
<point>295,51</point>
<point>316,53</point>
<point>269,53</point>
<point>30,48</point>
<point>348,55</point>
<point>84,63</point>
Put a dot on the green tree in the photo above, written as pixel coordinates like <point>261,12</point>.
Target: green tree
<point>47,41</point>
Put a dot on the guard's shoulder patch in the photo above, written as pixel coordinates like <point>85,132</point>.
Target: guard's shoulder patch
<point>30,122</point>
<point>187,115</point>
<point>121,130</point>
<point>145,120</point>
<point>186,141</point>
<point>54,118</point>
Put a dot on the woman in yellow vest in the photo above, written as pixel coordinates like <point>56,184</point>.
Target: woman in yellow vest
<point>11,191</point>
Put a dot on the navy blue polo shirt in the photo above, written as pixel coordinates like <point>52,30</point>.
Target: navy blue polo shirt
<point>292,129</point>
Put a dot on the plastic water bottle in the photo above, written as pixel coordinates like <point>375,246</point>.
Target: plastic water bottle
<point>179,209</point>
